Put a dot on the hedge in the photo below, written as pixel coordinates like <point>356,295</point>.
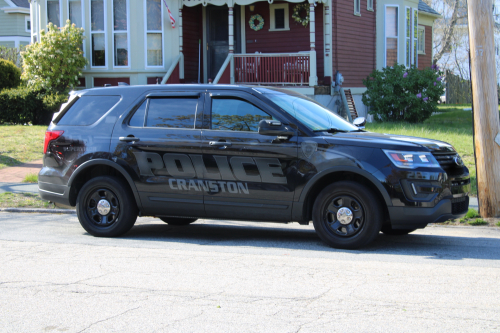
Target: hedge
<point>23,106</point>
<point>10,75</point>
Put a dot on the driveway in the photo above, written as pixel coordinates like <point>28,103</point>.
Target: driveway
<point>228,276</point>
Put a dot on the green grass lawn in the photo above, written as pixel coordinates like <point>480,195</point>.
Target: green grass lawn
<point>453,125</point>
<point>20,144</point>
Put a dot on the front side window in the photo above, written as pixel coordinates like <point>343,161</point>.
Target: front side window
<point>279,19</point>
<point>391,36</point>
<point>120,33</point>
<point>234,114</point>
<point>415,37</point>
<point>357,7</point>
<point>154,33</point>
<point>171,112</point>
<point>75,12</point>
<point>369,5</point>
<point>98,33</point>
<point>421,40</point>
<point>408,37</point>
<point>53,12</point>
<point>28,24</point>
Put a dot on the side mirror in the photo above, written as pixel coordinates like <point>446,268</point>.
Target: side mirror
<point>274,128</point>
<point>359,122</point>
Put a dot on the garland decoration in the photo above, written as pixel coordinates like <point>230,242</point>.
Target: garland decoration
<point>252,20</point>
<point>297,9</point>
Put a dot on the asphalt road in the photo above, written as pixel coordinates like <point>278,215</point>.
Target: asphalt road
<point>226,276</point>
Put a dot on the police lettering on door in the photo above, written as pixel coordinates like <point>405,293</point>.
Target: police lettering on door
<point>189,172</point>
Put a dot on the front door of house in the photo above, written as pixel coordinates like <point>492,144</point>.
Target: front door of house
<point>217,38</point>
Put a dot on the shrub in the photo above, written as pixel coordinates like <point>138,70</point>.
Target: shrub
<point>54,63</point>
<point>11,53</point>
<point>23,105</point>
<point>403,94</point>
<point>10,75</point>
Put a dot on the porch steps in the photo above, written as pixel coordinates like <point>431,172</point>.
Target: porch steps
<point>350,104</point>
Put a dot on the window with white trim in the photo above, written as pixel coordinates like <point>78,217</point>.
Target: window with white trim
<point>391,35</point>
<point>421,39</point>
<point>415,36</point>
<point>154,33</point>
<point>357,7</point>
<point>54,12</point>
<point>120,33</point>
<point>76,16</point>
<point>279,18</point>
<point>27,23</point>
<point>369,5</point>
<point>98,33</point>
<point>408,37</point>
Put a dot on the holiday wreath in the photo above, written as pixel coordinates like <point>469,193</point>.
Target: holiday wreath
<point>254,18</point>
<point>297,9</point>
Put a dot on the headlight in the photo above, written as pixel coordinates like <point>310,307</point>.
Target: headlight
<point>412,159</point>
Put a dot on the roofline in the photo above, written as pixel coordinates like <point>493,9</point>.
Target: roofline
<point>430,14</point>
<point>16,10</point>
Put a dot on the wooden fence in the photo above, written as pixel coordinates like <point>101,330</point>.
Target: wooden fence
<point>459,91</point>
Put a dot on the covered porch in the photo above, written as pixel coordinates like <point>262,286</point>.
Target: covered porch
<point>221,41</point>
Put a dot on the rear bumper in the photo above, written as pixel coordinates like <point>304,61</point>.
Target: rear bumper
<point>419,217</point>
<point>54,193</point>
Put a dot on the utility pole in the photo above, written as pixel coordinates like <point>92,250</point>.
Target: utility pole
<point>485,106</point>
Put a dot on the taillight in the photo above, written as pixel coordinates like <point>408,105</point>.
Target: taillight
<point>50,136</point>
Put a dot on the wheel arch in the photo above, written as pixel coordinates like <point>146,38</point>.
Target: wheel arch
<point>95,168</point>
<point>331,175</point>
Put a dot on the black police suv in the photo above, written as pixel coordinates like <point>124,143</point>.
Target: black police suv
<point>183,152</point>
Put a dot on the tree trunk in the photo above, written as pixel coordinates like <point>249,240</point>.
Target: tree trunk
<point>485,95</point>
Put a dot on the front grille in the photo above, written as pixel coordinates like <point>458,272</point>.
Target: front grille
<point>459,205</point>
<point>447,162</point>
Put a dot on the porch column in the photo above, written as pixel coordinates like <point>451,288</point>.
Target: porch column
<point>313,79</point>
<point>231,30</point>
<point>328,39</point>
<point>181,61</point>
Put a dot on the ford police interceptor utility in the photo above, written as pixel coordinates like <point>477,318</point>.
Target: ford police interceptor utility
<point>183,152</point>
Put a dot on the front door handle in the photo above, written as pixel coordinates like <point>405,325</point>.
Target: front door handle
<point>129,138</point>
<point>219,143</point>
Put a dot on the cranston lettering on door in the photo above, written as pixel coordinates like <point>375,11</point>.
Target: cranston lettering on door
<point>189,172</point>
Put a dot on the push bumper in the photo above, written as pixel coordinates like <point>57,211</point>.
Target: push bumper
<point>419,217</point>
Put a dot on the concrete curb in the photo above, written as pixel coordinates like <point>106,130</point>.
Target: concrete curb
<point>38,210</point>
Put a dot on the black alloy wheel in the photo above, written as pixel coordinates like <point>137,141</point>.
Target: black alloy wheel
<point>177,221</point>
<point>347,215</point>
<point>105,207</point>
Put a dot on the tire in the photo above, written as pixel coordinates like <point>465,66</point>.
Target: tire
<point>177,220</point>
<point>387,229</point>
<point>366,215</point>
<point>121,213</point>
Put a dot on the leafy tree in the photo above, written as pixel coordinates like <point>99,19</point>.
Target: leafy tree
<point>403,94</point>
<point>11,53</point>
<point>55,62</point>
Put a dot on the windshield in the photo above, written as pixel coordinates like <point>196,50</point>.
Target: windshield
<point>310,113</point>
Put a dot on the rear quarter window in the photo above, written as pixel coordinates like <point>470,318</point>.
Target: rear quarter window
<point>87,110</point>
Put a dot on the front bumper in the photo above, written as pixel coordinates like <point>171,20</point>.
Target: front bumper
<point>419,217</point>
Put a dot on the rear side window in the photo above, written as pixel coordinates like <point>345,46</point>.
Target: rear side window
<point>87,110</point>
<point>171,112</point>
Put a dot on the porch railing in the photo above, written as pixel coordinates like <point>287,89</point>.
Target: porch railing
<point>280,69</point>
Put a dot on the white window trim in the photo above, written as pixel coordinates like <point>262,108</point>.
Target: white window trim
<point>421,28</point>
<point>369,5</point>
<point>121,32</point>
<point>105,32</point>
<point>385,33</point>
<point>162,31</point>
<point>26,20</point>
<point>408,63</point>
<point>272,18</point>
<point>357,13</point>
<point>47,12</point>
<point>414,57</point>
<point>82,3</point>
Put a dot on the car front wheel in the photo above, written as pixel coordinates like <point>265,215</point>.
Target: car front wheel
<point>347,215</point>
<point>106,207</point>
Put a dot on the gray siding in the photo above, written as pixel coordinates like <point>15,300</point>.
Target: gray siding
<point>12,24</point>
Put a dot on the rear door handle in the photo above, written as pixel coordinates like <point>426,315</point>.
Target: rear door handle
<point>219,143</point>
<point>129,138</point>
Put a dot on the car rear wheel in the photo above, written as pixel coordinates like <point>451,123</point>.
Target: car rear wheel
<point>387,229</point>
<point>347,215</point>
<point>106,207</point>
<point>177,220</point>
